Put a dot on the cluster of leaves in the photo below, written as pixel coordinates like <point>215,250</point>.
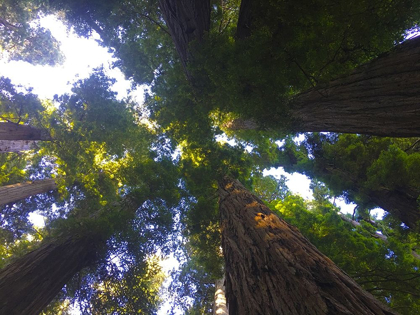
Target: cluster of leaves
<point>22,37</point>
<point>359,167</point>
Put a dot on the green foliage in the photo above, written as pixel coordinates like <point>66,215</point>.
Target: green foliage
<point>269,188</point>
<point>21,36</point>
<point>386,269</point>
<point>132,30</point>
<point>359,167</point>
<point>17,106</point>
<point>12,168</point>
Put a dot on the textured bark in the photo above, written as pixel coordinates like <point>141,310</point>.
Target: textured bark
<point>11,131</point>
<point>16,145</point>
<point>272,269</point>
<point>379,98</point>
<point>187,20</point>
<point>30,283</point>
<point>16,192</point>
<point>220,305</point>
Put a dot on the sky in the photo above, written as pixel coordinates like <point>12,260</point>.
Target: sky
<point>82,56</point>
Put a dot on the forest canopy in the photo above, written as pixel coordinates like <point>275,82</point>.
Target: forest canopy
<point>230,86</point>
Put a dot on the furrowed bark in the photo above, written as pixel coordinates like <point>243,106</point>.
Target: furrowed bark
<point>12,131</point>
<point>16,192</point>
<point>29,284</point>
<point>379,98</point>
<point>271,268</point>
<point>16,145</point>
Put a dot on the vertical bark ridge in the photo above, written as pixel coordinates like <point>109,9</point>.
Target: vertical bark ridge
<point>271,268</point>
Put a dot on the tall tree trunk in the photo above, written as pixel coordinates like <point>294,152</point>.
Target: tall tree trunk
<point>12,131</point>
<point>379,98</point>
<point>16,192</point>
<point>220,305</point>
<point>16,145</point>
<point>187,20</point>
<point>29,284</point>
<point>271,268</point>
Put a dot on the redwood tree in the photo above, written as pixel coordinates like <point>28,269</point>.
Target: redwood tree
<point>29,284</point>
<point>12,131</point>
<point>289,275</point>
<point>16,192</point>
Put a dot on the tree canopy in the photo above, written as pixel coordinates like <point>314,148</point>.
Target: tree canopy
<point>230,84</point>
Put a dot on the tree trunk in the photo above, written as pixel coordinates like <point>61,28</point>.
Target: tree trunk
<point>379,98</point>
<point>16,192</point>
<point>29,284</point>
<point>12,131</point>
<point>16,145</point>
<point>220,306</point>
<point>187,20</point>
<point>271,268</point>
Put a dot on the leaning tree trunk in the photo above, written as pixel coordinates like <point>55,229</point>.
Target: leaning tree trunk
<point>379,98</point>
<point>16,192</point>
<point>12,131</point>
<point>29,284</point>
<point>271,268</point>
<point>16,145</point>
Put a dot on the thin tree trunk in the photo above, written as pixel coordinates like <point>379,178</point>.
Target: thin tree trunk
<point>12,131</point>
<point>220,305</point>
<point>29,284</point>
<point>16,192</point>
<point>379,98</point>
<point>16,145</point>
<point>271,268</point>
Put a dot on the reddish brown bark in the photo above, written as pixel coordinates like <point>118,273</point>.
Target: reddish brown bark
<point>29,284</point>
<point>16,192</point>
<point>379,98</point>
<point>12,131</point>
<point>271,268</point>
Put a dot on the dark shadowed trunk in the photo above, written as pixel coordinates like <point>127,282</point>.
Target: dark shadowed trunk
<point>29,284</point>
<point>271,268</point>
<point>379,98</point>
<point>187,20</point>
<point>401,203</point>
<point>16,145</point>
<point>16,192</point>
<point>12,131</point>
